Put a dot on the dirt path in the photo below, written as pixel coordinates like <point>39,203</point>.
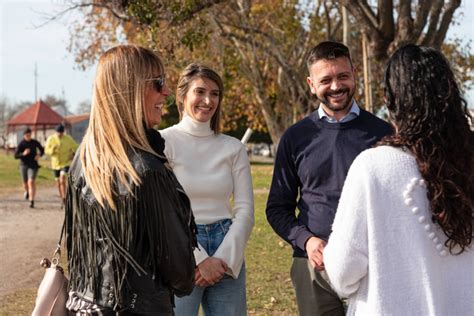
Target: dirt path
<point>26,236</point>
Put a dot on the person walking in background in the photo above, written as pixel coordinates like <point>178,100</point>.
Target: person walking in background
<point>402,237</point>
<point>29,152</point>
<point>311,164</point>
<point>130,231</point>
<point>60,147</point>
<point>213,168</point>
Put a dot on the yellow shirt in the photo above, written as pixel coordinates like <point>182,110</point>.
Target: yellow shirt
<point>61,150</point>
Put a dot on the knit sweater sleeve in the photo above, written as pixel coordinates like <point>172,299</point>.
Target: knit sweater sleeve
<point>346,254</point>
<point>282,199</point>
<point>232,248</point>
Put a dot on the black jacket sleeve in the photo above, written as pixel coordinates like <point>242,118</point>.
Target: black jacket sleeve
<point>147,240</point>
<point>19,150</point>
<point>167,220</point>
<point>40,148</point>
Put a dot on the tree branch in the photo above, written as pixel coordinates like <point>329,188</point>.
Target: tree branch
<point>367,10</point>
<point>421,16</point>
<point>249,37</point>
<point>76,6</point>
<point>363,14</point>
<point>435,12</point>
<point>328,20</point>
<point>250,68</point>
<point>189,14</point>
<point>385,19</point>
<point>335,29</point>
<point>404,22</point>
<point>445,22</point>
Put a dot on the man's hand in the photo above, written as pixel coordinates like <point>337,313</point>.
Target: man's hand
<point>314,248</point>
<point>26,151</point>
<point>210,271</point>
<point>37,157</point>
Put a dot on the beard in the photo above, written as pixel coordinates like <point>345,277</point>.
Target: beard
<point>338,107</point>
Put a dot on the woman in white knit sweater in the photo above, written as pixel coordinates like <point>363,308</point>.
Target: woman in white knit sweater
<point>213,169</point>
<point>402,237</point>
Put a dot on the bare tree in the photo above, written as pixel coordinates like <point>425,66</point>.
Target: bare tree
<point>267,41</point>
<point>58,104</point>
<point>259,46</point>
<point>83,107</point>
<point>4,109</point>
<point>424,22</point>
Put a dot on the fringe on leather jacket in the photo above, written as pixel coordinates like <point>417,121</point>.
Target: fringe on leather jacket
<point>136,258</point>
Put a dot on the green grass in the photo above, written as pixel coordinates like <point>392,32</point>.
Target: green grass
<point>268,257</point>
<point>22,301</point>
<point>261,175</point>
<point>10,175</point>
<point>268,261</point>
<point>19,303</point>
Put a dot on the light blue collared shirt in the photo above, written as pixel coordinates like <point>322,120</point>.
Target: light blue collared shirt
<point>353,113</point>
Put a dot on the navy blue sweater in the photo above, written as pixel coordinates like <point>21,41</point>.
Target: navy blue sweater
<point>311,164</point>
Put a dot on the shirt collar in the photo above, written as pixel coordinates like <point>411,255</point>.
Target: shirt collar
<point>352,114</point>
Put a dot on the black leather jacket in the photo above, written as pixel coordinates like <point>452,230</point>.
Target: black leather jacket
<point>134,259</point>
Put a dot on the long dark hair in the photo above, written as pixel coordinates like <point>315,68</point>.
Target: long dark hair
<point>432,121</point>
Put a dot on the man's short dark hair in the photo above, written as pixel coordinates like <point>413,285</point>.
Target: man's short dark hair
<point>60,128</point>
<point>327,50</point>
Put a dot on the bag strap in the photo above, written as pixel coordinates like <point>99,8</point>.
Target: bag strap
<point>57,252</point>
<point>62,230</point>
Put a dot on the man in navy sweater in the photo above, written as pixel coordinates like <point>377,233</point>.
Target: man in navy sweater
<point>312,161</point>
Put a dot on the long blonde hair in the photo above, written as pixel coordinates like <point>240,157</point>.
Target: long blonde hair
<point>117,119</point>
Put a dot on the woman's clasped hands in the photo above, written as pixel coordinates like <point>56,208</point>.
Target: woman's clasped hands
<point>210,271</point>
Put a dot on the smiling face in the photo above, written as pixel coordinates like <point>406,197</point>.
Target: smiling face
<point>333,83</point>
<point>154,102</point>
<point>201,99</point>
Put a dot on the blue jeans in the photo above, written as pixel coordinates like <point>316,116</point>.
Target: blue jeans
<point>227,297</point>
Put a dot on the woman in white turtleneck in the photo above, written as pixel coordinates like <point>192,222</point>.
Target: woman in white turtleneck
<point>212,168</point>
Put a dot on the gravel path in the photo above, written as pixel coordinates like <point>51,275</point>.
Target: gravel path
<point>26,236</point>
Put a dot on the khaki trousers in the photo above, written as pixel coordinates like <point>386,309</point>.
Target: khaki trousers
<point>314,295</point>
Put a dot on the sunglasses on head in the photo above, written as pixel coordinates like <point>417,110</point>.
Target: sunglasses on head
<point>159,83</point>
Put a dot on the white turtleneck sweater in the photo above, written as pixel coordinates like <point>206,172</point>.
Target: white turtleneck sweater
<point>385,254</point>
<point>212,169</point>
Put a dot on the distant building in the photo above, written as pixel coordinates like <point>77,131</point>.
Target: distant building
<point>42,120</point>
<point>77,125</point>
<point>39,117</point>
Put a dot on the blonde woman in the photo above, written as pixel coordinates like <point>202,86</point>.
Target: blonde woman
<point>130,230</point>
<point>213,168</point>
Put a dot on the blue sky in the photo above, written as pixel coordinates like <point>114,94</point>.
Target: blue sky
<point>22,45</point>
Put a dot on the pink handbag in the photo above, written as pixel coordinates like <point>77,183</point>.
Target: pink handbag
<point>52,292</point>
